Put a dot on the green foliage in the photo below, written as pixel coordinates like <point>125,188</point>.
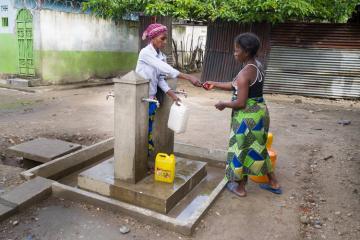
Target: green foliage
<point>231,10</point>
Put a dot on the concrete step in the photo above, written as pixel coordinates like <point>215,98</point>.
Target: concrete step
<point>147,193</point>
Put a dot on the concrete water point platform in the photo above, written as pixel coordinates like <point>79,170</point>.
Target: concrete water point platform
<point>147,193</point>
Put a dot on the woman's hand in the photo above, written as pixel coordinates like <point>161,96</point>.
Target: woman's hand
<point>208,85</point>
<point>195,81</point>
<point>176,100</point>
<point>220,105</point>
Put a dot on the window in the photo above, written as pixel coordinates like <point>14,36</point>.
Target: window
<point>4,22</point>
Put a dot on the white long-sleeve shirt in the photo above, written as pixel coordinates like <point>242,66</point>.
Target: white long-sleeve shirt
<point>152,65</point>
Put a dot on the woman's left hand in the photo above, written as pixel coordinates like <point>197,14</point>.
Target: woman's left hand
<point>220,106</point>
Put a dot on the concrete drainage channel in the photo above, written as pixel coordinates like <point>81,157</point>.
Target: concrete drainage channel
<point>59,178</point>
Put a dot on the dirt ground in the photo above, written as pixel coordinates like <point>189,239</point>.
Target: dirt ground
<point>318,167</point>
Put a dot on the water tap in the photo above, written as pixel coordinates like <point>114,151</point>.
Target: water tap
<point>181,92</point>
<point>110,94</point>
<point>151,100</point>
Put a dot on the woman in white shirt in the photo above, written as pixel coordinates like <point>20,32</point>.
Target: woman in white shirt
<point>152,65</point>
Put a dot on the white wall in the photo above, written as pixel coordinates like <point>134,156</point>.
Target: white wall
<point>184,33</point>
<point>62,31</point>
<point>7,10</point>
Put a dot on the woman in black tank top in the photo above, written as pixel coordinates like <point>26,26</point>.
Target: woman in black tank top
<point>247,153</point>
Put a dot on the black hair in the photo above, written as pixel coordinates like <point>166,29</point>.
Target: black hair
<point>249,42</point>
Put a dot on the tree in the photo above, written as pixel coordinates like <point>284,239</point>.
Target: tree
<point>244,11</point>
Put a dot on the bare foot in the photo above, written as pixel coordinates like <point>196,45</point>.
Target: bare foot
<point>240,190</point>
<point>273,181</point>
<point>237,188</point>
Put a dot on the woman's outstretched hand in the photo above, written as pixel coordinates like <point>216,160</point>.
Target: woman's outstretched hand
<point>220,106</point>
<point>195,81</point>
<point>208,85</point>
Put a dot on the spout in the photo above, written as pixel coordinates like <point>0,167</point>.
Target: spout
<point>110,94</point>
<point>181,92</point>
<point>151,100</point>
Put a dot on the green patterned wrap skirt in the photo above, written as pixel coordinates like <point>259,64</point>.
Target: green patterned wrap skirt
<point>247,153</point>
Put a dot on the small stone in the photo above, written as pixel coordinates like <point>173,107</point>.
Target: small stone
<point>124,229</point>
<point>298,101</point>
<point>11,141</point>
<point>304,219</point>
<point>337,213</point>
<point>344,122</point>
<point>293,125</point>
<point>318,222</point>
<point>98,209</point>
<point>147,227</point>
<point>323,236</point>
<point>349,214</point>
<point>217,213</point>
<point>14,223</point>
<point>317,226</point>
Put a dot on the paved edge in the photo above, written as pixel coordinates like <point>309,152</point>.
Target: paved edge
<point>24,195</point>
<point>144,215</point>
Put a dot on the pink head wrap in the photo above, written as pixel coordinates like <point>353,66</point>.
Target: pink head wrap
<point>154,30</point>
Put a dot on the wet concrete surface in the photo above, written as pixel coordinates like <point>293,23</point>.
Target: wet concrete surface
<point>147,193</point>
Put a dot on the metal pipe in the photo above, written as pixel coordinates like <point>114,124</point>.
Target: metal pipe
<point>151,100</point>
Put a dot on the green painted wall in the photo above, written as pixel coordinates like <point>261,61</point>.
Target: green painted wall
<point>74,66</point>
<point>9,57</point>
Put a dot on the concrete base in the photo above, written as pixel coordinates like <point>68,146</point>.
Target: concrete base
<point>183,218</point>
<point>147,193</point>
<point>43,150</point>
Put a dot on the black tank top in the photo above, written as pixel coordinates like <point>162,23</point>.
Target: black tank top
<point>256,88</point>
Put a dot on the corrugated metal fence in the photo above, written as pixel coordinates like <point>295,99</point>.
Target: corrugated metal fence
<point>219,63</point>
<point>315,59</point>
<point>306,59</point>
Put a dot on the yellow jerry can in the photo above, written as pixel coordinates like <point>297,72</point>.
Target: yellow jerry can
<point>165,168</point>
<point>273,158</point>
